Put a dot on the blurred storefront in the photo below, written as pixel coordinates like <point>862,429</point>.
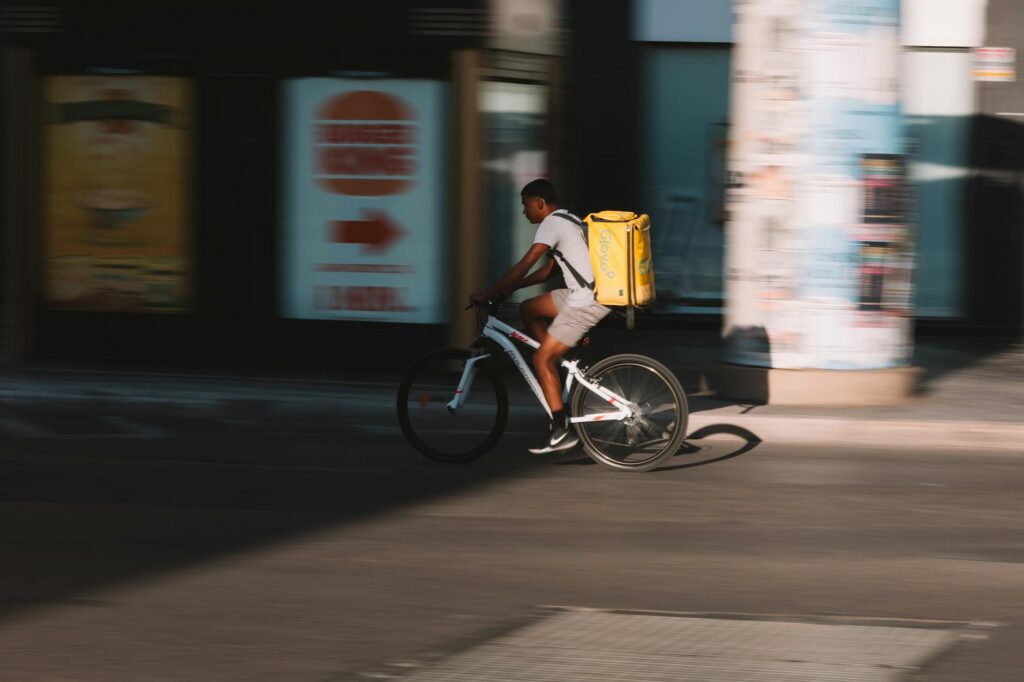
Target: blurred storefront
<point>650,104</point>
<point>274,183</point>
<point>939,101</point>
<point>516,152</point>
<point>673,60</point>
<point>311,182</point>
<point>686,47</point>
<point>995,190</point>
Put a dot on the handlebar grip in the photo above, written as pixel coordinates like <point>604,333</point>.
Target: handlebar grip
<point>497,300</point>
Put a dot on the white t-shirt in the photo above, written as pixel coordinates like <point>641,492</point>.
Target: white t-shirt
<point>566,236</point>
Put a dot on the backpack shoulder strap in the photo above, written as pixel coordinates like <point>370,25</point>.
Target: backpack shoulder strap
<point>579,278</point>
<point>565,215</point>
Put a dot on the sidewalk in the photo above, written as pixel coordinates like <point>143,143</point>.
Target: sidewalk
<point>972,393</point>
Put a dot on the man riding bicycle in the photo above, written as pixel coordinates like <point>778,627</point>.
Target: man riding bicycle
<point>573,310</point>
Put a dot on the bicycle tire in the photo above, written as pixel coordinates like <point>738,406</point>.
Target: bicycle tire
<point>486,379</point>
<point>593,434</point>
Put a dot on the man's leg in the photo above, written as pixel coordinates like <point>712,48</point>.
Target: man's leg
<point>535,313</point>
<point>567,328</point>
<point>545,362</point>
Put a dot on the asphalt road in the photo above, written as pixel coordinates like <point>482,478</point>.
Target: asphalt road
<point>171,547</point>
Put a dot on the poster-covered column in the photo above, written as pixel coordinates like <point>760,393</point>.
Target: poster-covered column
<point>364,189</point>
<point>819,254</point>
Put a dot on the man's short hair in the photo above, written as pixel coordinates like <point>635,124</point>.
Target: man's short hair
<point>541,188</point>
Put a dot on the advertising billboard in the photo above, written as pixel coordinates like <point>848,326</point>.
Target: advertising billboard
<point>115,216</point>
<point>363,187</point>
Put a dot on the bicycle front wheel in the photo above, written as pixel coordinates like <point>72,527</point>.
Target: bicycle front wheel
<point>646,439</point>
<point>429,422</point>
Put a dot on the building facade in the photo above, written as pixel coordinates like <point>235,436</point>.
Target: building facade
<point>675,60</point>
<point>318,184</point>
<point>295,183</point>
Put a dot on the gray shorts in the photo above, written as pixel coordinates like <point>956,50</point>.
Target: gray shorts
<point>572,324</point>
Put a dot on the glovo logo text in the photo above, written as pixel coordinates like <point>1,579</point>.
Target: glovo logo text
<point>604,244</point>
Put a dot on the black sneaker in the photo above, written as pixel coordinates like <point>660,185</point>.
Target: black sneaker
<point>561,438</point>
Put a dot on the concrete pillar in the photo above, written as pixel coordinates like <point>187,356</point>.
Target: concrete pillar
<point>467,247</point>
<point>818,251</point>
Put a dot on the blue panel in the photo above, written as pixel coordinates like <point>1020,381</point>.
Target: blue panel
<point>686,104</point>
<point>683,21</point>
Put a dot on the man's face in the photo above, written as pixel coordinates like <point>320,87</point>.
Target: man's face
<point>533,209</point>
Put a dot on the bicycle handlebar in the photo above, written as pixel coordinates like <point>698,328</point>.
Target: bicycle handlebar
<point>491,305</point>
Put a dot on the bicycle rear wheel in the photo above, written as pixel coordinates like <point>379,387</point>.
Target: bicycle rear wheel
<point>646,440</point>
<point>442,434</point>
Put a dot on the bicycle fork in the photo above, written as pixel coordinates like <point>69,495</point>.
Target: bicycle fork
<point>465,382</point>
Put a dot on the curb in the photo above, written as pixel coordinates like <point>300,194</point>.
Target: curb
<point>874,433</point>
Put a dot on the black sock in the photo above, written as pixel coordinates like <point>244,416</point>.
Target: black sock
<point>558,418</point>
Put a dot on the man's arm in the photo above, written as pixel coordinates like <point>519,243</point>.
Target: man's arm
<point>541,274</point>
<point>516,274</point>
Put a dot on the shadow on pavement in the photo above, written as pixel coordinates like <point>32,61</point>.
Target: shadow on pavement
<point>749,441</point>
<point>938,359</point>
<point>86,515</point>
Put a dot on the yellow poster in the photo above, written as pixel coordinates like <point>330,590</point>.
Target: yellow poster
<point>116,193</point>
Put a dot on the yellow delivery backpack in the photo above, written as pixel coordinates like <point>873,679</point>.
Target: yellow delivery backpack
<point>619,243</point>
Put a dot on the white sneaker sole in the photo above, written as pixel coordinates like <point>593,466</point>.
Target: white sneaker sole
<point>568,442</point>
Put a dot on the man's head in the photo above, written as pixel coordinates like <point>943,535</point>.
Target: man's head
<point>539,200</point>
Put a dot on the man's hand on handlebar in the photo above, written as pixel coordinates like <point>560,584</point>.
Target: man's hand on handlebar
<point>479,299</point>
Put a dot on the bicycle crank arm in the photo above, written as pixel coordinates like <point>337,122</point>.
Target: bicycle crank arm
<point>601,417</point>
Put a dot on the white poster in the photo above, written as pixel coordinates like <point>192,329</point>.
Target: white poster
<point>364,186</point>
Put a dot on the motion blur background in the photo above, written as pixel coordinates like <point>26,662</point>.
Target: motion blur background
<point>322,184</point>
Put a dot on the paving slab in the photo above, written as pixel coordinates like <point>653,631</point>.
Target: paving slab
<point>601,646</point>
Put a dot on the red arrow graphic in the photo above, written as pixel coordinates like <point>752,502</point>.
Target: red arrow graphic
<point>377,232</point>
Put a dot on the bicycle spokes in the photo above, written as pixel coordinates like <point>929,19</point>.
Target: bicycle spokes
<point>647,433</point>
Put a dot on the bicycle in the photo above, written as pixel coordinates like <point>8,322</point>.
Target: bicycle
<point>629,411</point>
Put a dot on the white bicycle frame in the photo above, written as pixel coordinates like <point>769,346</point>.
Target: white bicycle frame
<point>503,335</point>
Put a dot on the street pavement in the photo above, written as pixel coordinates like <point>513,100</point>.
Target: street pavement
<point>186,525</point>
<point>324,556</point>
